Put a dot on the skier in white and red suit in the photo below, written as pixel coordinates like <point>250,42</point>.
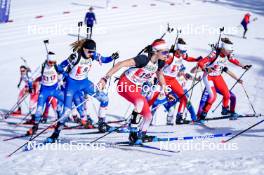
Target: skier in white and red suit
<point>213,65</point>
<point>141,68</point>
<point>171,70</point>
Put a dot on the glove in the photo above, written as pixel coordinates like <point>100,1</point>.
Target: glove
<point>30,90</point>
<point>170,97</point>
<point>115,56</point>
<point>247,67</point>
<point>172,49</point>
<point>198,78</point>
<point>185,56</point>
<point>188,76</point>
<point>199,58</point>
<point>72,57</point>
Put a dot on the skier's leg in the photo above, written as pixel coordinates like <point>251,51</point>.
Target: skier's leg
<point>223,89</point>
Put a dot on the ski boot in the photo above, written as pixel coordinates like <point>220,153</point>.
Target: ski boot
<point>133,130</point>
<point>30,121</point>
<point>169,120</point>
<point>44,119</point>
<point>201,118</point>
<point>103,126</point>
<point>17,112</point>
<point>139,137</point>
<point>233,116</point>
<point>87,123</point>
<point>180,120</point>
<point>32,130</point>
<point>225,111</point>
<point>55,135</point>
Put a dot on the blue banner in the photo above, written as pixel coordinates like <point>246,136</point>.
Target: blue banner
<point>4,10</point>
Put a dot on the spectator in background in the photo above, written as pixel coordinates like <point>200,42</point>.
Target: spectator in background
<point>244,23</point>
<point>89,21</point>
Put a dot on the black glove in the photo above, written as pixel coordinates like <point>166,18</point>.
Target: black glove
<point>115,56</point>
<point>247,67</point>
<point>72,57</point>
<point>30,90</point>
<point>225,69</point>
<point>188,76</point>
<point>199,58</point>
<point>172,49</point>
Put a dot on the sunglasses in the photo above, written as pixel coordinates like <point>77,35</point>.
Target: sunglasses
<point>22,70</point>
<point>183,51</point>
<point>90,51</point>
<point>164,52</point>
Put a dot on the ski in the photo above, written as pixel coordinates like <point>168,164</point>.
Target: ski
<point>127,144</point>
<point>203,125</point>
<point>240,116</point>
<point>16,137</point>
<point>199,137</point>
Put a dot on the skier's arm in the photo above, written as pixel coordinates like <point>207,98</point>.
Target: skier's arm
<point>196,69</point>
<point>101,59</point>
<point>30,82</point>
<point>231,74</point>
<point>19,83</point>
<point>127,63</point>
<point>186,57</point>
<point>169,60</point>
<point>203,62</point>
<point>236,62</point>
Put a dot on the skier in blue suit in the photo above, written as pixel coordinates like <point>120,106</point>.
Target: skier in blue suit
<point>77,66</point>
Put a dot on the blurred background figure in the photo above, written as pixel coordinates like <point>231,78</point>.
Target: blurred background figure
<point>89,20</point>
<point>244,23</point>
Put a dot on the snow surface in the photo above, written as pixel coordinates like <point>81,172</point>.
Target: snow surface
<point>128,29</point>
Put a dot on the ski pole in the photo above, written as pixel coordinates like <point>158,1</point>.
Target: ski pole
<point>190,97</point>
<point>248,98</point>
<point>46,42</point>
<point>80,23</point>
<point>245,130</point>
<point>129,117</point>
<point>24,60</point>
<point>109,83</point>
<point>15,105</point>
<point>54,123</point>
<point>177,37</point>
<point>109,132</point>
<point>169,30</point>
<point>231,89</point>
<point>220,35</point>
<point>178,97</point>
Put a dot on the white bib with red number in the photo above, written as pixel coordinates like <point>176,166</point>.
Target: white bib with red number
<point>218,65</point>
<point>173,68</point>
<point>141,75</point>
<point>80,71</point>
<point>49,76</point>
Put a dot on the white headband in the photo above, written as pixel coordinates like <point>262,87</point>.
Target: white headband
<point>182,47</point>
<point>51,57</point>
<point>226,46</point>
